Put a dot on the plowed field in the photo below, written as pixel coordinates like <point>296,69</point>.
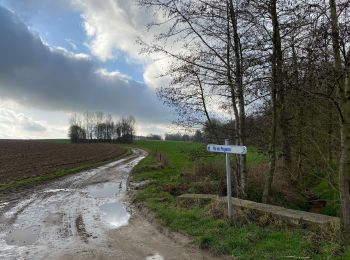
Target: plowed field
<point>21,159</point>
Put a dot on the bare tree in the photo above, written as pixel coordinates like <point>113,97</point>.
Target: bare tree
<point>211,67</point>
<point>100,128</point>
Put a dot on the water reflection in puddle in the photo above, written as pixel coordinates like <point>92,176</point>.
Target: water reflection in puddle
<point>56,190</point>
<point>155,257</point>
<point>22,237</point>
<point>114,214</point>
<point>3,204</point>
<point>103,190</point>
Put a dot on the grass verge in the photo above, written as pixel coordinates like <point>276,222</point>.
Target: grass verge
<point>220,235</point>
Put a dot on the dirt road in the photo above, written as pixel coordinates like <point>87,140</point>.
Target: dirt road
<point>85,216</point>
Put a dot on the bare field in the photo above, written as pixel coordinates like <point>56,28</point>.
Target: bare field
<point>21,159</point>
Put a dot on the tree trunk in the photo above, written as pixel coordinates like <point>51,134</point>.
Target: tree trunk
<point>271,173</point>
<point>344,163</point>
<point>232,84</point>
<point>240,94</point>
<point>278,78</point>
<point>285,129</point>
<point>344,168</point>
<point>276,85</point>
<point>300,122</point>
<point>343,95</point>
<point>204,104</point>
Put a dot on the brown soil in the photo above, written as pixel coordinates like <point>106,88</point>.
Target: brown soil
<point>21,159</point>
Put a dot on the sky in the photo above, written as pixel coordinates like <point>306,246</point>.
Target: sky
<point>63,56</point>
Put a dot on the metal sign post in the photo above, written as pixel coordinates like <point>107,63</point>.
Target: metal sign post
<point>229,182</point>
<point>227,149</point>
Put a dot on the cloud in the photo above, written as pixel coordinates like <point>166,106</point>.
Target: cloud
<point>28,124</point>
<point>116,25</point>
<point>113,25</point>
<point>40,76</point>
<point>17,124</point>
<point>72,44</point>
<point>30,7</point>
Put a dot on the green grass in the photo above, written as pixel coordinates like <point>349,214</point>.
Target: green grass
<point>331,195</point>
<point>220,236</point>
<point>180,150</point>
<point>55,141</point>
<point>254,157</point>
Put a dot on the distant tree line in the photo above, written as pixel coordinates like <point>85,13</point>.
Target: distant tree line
<point>97,127</point>
<point>153,137</point>
<point>197,137</point>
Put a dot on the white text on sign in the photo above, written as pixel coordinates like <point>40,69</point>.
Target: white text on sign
<point>215,148</point>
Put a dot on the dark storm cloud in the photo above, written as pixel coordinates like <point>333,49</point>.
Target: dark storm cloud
<point>36,75</point>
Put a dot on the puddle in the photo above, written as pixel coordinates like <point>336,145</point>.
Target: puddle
<point>3,220</point>
<point>115,214</point>
<point>4,204</point>
<point>53,219</point>
<point>56,190</point>
<point>155,257</point>
<point>103,190</point>
<point>22,237</point>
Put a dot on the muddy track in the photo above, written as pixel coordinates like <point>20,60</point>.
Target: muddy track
<point>84,216</point>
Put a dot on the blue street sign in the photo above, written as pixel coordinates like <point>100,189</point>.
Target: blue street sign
<point>216,148</point>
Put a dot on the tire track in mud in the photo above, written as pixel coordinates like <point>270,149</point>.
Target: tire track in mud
<point>69,213</point>
<point>11,216</point>
<point>80,226</point>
